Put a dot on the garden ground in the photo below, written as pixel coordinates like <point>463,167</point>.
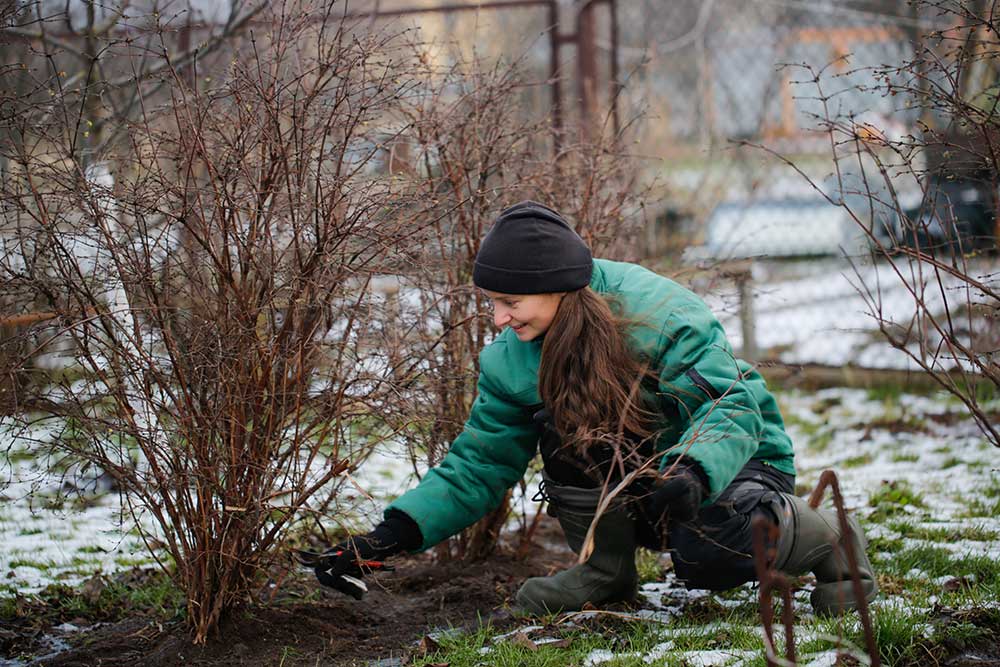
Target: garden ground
<point>913,467</point>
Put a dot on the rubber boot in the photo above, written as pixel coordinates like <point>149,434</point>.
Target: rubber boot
<point>609,575</point>
<point>810,541</point>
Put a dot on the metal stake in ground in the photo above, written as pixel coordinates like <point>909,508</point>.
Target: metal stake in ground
<point>765,536</point>
<point>829,479</point>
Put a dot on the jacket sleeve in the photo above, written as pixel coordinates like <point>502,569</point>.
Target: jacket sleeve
<point>488,457</point>
<point>700,373</point>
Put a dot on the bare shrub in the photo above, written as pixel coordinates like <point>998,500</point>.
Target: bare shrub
<point>211,273</point>
<point>944,264</point>
<point>106,60</point>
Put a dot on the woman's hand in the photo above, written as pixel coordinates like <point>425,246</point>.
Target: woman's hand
<point>679,496</point>
<point>342,567</point>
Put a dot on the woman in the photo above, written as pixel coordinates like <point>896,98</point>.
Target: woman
<point>623,380</point>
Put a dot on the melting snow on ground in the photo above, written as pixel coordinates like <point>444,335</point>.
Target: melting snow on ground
<point>929,443</point>
<point>821,316</point>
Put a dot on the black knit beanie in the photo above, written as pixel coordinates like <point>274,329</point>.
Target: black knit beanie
<point>531,250</point>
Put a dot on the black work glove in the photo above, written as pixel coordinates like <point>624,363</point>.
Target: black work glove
<point>343,566</point>
<point>548,437</point>
<point>679,495</point>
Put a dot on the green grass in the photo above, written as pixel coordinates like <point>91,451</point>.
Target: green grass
<point>20,455</point>
<point>977,507</point>
<point>806,426</point>
<point>133,561</point>
<point>886,393</point>
<point>964,634</point>
<point>857,461</point>
<point>631,642</point>
<point>915,638</point>
<point>289,653</point>
<point>902,637</point>
<point>91,549</point>
<point>891,498</point>
<point>649,565</point>
<point>116,599</point>
<point>905,458</point>
<point>884,543</point>
<point>935,561</point>
<point>159,596</point>
<point>953,580</point>
<point>987,392</point>
<point>459,650</point>
<point>986,570</point>
<point>977,532</point>
<point>905,636</point>
<point>895,423</point>
<point>8,607</point>
<point>81,563</point>
<point>739,636</point>
<point>992,490</point>
<point>44,566</point>
<point>823,405</point>
<point>899,635</point>
<point>820,442</point>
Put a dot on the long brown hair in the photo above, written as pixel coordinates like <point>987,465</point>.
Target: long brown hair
<point>588,378</point>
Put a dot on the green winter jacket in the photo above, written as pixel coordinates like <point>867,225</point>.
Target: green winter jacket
<point>716,408</point>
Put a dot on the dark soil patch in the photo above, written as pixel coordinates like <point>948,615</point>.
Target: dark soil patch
<point>306,625</point>
<point>894,426</point>
<point>982,649</point>
<point>950,418</point>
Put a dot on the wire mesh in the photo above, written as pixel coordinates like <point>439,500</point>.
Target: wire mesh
<point>721,87</point>
<point>734,94</point>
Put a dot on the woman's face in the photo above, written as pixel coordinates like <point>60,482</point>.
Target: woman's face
<point>529,315</point>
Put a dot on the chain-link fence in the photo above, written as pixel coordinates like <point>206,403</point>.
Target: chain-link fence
<point>740,98</point>
<point>713,75</point>
<point>735,100</point>
<point>746,105</point>
<point>727,93</point>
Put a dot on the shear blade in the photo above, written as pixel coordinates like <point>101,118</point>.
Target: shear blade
<point>307,558</point>
<point>357,582</point>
